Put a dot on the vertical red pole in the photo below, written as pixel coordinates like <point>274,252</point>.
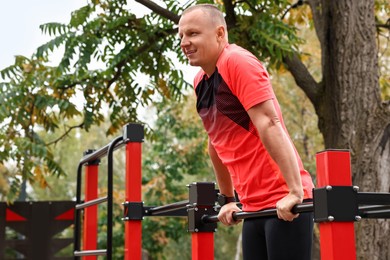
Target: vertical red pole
<point>133,228</point>
<point>337,239</point>
<point>90,213</point>
<point>202,245</point>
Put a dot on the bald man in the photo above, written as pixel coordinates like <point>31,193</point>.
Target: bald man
<point>249,145</point>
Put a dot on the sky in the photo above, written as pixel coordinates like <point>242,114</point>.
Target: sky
<point>19,24</point>
<point>20,21</point>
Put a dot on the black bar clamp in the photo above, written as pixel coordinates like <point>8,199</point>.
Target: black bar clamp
<point>133,211</point>
<point>90,151</point>
<point>336,203</point>
<point>202,198</point>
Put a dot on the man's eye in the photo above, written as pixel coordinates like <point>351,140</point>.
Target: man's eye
<point>194,33</point>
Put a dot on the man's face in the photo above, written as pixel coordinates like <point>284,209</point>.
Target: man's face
<point>199,39</point>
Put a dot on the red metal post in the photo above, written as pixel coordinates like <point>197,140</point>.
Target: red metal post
<point>90,213</point>
<point>202,245</point>
<point>133,228</point>
<point>337,239</point>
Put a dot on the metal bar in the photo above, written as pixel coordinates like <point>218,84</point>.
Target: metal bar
<point>385,213</point>
<point>91,203</point>
<point>160,210</point>
<point>337,239</point>
<point>110,172</point>
<point>77,219</point>
<point>375,211</point>
<point>90,222</point>
<point>182,212</point>
<point>373,207</point>
<point>299,208</point>
<point>90,252</point>
<point>202,245</point>
<point>371,198</point>
<point>100,153</point>
<point>133,228</point>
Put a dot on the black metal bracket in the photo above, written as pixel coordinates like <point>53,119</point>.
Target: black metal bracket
<point>202,200</point>
<point>336,203</point>
<point>90,151</point>
<point>133,211</point>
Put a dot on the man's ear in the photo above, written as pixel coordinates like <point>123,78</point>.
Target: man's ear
<point>221,32</point>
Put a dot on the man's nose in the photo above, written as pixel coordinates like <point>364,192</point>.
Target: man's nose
<point>184,42</point>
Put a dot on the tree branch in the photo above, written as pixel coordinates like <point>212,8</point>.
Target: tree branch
<point>230,14</point>
<point>64,134</point>
<point>296,5</point>
<point>160,10</point>
<point>303,78</point>
<point>385,25</point>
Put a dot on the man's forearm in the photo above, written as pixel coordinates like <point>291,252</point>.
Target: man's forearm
<point>222,174</point>
<point>277,143</point>
<point>282,152</point>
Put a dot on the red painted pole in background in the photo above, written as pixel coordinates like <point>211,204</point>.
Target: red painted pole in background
<point>337,239</point>
<point>90,213</point>
<point>202,245</point>
<point>133,228</point>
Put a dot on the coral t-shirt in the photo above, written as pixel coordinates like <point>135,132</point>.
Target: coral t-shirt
<point>239,82</point>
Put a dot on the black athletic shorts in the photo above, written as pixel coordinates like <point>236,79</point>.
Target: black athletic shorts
<point>269,238</point>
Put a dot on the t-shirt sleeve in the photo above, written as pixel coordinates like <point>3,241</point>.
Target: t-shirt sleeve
<point>249,80</point>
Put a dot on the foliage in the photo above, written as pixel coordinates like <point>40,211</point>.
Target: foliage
<point>108,50</point>
<point>116,61</point>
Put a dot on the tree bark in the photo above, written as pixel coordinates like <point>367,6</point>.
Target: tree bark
<point>349,106</point>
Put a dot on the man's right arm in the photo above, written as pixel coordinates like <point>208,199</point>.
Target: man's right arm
<point>225,185</point>
<point>221,173</point>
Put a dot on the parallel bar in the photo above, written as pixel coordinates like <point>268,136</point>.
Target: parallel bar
<point>371,198</point>
<point>368,208</point>
<point>91,203</point>
<point>90,252</point>
<point>375,211</point>
<point>160,210</point>
<point>98,154</point>
<point>300,208</point>
<point>110,180</point>
<point>77,219</point>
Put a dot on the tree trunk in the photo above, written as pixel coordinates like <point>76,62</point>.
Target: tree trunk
<point>349,106</point>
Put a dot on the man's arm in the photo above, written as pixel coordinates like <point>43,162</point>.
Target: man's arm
<point>280,148</point>
<point>221,173</point>
<point>225,185</point>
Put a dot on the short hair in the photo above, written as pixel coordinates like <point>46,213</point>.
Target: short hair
<point>211,10</point>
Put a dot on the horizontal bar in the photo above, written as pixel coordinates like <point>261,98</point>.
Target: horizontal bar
<point>373,198</point>
<point>100,153</point>
<point>373,207</point>
<point>375,211</point>
<point>299,208</point>
<point>377,214</point>
<point>173,213</point>
<point>90,252</point>
<point>160,210</point>
<point>91,203</point>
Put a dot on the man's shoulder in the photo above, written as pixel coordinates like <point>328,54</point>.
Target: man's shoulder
<point>236,53</point>
<point>198,77</point>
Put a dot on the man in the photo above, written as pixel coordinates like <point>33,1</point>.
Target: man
<point>249,146</point>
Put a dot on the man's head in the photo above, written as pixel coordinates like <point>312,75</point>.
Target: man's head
<point>203,33</point>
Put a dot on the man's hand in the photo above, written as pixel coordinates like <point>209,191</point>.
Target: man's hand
<point>285,205</point>
<point>225,214</point>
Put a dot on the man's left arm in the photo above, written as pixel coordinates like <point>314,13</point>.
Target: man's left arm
<point>280,148</point>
